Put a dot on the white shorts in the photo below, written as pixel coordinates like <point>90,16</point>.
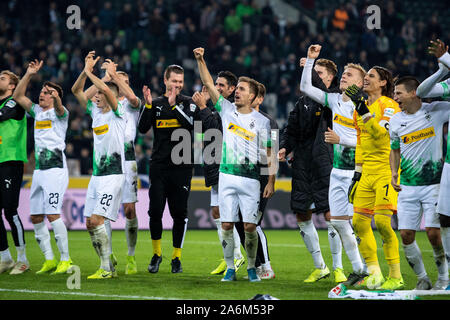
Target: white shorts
<point>214,195</point>
<point>47,190</point>
<point>236,192</point>
<point>413,201</point>
<point>129,192</point>
<point>103,196</point>
<point>340,181</point>
<point>443,206</point>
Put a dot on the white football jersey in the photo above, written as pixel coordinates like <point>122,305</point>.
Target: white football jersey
<point>245,137</point>
<point>344,156</point>
<point>108,130</point>
<point>49,137</point>
<point>131,118</point>
<point>420,139</point>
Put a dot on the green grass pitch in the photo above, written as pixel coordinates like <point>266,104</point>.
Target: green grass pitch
<point>290,260</point>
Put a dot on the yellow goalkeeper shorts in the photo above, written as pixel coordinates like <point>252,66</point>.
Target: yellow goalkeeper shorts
<point>375,192</point>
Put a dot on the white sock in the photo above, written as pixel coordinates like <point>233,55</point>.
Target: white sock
<point>349,243</point>
<point>62,241</point>
<point>311,238</point>
<point>237,244</point>
<point>100,242</point>
<point>228,247</point>
<point>445,236</point>
<point>21,254</point>
<point>131,232</point>
<point>441,263</point>
<point>108,229</point>
<point>5,255</point>
<point>414,258</point>
<point>251,247</point>
<point>335,246</point>
<point>219,229</point>
<point>42,236</point>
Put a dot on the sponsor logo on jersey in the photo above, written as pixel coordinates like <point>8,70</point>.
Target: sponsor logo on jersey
<point>241,132</point>
<point>343,121</point>
<point>168,123</point>
<point>101,130</point>
<point>418,135</point>
<point>46,124</point>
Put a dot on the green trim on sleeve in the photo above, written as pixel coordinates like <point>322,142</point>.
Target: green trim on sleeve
<point>65,114</point>
<point>32,112</point>
<point>395,144</point>
<point>118,112</point>
<point>446,90</point>
<point>89,107</point>
<point>218,105</point>
<point>326,100</point>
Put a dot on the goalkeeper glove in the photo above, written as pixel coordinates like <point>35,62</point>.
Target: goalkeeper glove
<point>358,98</point>
<point>354,184</point>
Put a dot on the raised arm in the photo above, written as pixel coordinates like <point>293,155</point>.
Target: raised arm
<point>124,88</point>
<point>19,93</point>
<point>430,87</point>
<point>306,82</point>
<point>78,86</point>
<point>205,76</point>
<point>101,86</point>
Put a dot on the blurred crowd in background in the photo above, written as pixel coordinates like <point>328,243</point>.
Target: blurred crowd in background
<point>245,37</point>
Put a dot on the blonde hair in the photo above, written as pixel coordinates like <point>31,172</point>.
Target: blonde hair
<point>329,65</point>
<point>13,78</point>
<point>358,67</point>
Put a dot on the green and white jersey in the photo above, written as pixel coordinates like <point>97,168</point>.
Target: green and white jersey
<point>49,137</point>
<point>131,118</point>
<point>419,137</point>
<point>344,152</point>
<point>108,130</point>
<point>245,139</point>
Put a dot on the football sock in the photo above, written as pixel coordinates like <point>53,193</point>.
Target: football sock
<point>228,247</point>
<point>311,238</point>
<point>335,246</point>
<point>219,228</point>
<point>42,236</point>
<point>349,243</point>
<point>445,236</point>
<point>390,242</point>
<point>237,244</point>
<point>414,258</point>
<point>441,262</point>
<point>21,254</point>
<point>5,255</point>
<point>108,229</point>
<point>367,245</point>
<point>100,242</point>
<point>131,233</point>
<point>251,247</point>
<point>156,247</point>
<point>176,253</point>
<point>62,242</point>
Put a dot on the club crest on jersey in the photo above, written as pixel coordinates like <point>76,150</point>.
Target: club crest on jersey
<point>418,135</point>
<point>11,104</point>
<point>241,132</point>
<point>252,124</point>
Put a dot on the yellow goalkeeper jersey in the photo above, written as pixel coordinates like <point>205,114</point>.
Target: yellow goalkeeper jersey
<point>373,142</point>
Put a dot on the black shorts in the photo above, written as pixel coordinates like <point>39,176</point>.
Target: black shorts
<point>11,177</point>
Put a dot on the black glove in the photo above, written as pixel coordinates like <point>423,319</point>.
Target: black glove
<point>358,98</point>
<point>353,186</point>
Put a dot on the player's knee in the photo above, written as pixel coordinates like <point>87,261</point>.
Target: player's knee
<point>249,227</point>
<point>383,224</point>
<point>130,210</point>
<point>53,217</point>
<point>434,236</point>
<point>444,221</point>
<point>407,236</point>
<point>35,219</point>
<point>303,216</point>
<point>227,226</point>
<point>215,212</point>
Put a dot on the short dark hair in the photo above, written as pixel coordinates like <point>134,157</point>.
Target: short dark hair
<point>173,68</point>
<point>410,83</point>
<point>329,65</point>
<point>55,86</point>
<point>261,90</point>
<point>231,78</point>
<point>114,87</point>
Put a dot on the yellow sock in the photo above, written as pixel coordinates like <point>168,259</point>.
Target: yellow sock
<point>367,245</point>
<point>176,253</point>
<point>157,247</point>
<point>390,242</point>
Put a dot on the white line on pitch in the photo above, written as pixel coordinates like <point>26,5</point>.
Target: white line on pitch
<point>88,294</point>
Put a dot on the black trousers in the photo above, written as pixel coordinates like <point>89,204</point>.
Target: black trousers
<point>11,176</point>
<point>171,184</point>
<point>260,257</point>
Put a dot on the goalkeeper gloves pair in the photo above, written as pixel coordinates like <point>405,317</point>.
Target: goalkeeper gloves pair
<point>358,98</point>
<point>354,185</point>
